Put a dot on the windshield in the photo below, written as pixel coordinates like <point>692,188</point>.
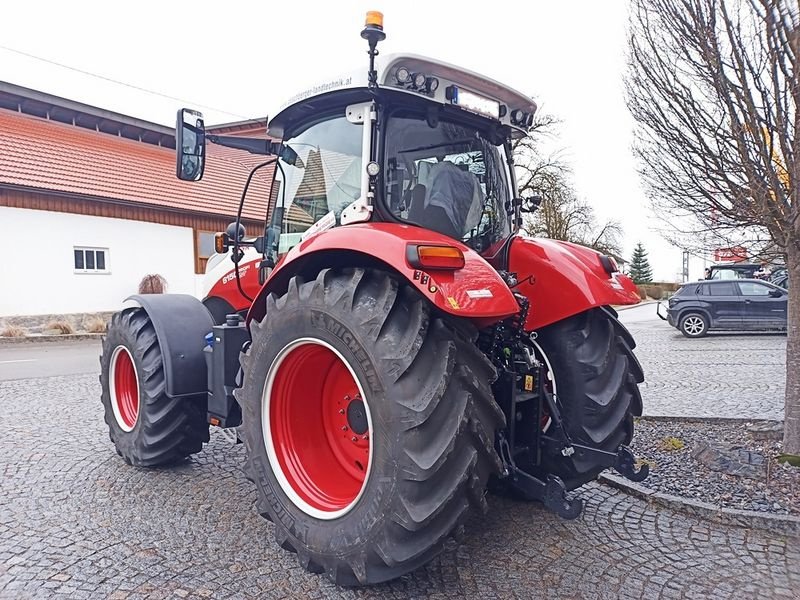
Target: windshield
<point>320,176</point>
<point>447,176</point>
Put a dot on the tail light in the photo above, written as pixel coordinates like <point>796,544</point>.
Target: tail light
<point>434,257</point>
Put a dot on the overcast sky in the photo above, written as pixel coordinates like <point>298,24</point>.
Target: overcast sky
<point>247,57</point>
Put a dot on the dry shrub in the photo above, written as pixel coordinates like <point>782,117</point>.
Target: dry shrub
<point>62,327</point>
<point>12,331</point>
<point>96,325</point>
<point>152,284</point>
<point>642,292</point>
<point>657,292</point>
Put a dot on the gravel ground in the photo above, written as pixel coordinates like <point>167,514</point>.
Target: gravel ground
<point>675,471</point>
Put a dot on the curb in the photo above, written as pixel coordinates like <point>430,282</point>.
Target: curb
<point>32,339</point>
<point>788,525</point>
<point>710,420</point>
<point>630,306</point>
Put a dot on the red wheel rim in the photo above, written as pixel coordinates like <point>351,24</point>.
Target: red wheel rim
<point>317,428</point>
<point>124,386</point>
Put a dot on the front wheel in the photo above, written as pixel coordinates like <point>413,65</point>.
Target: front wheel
<point>693,325</point>
<point>147,427</point>
<point>369,424</point>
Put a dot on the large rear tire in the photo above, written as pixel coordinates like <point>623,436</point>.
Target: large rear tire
<point>369,425</point>
<point>594,375</point>
<point>147,427</point>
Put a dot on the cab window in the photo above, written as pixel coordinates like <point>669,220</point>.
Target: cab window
<point>321,175</point>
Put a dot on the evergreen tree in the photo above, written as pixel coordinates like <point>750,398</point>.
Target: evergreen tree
<point>640,266</point>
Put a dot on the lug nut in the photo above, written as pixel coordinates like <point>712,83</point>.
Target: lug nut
<point>354,439</point>
<point>344,427</point>
<point>341,411</point>
<point>346,398</point>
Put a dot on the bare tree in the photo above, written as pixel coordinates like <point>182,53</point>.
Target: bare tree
<point>561,215</point>
<point>713,86</point>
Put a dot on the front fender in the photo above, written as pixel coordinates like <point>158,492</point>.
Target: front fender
<point>476,291</point>
<point>562,279</point>
<point>181,323</point>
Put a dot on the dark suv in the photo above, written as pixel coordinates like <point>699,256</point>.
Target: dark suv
<point>734,305</point>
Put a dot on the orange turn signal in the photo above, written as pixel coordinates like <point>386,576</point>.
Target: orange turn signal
<point>435,257</point>
<point>221,242</point>
<point>375,18</point>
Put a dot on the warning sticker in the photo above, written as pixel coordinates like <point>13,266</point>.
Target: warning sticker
<point>480,294</point>
<point>528,383</point>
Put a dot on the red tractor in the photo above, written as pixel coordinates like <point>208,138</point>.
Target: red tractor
<point>397,347</point>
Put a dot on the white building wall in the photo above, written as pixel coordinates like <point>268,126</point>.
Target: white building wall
<point>37,269</point>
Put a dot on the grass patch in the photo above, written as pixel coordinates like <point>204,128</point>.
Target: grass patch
<point>671,444</point>
<point>789,459</point>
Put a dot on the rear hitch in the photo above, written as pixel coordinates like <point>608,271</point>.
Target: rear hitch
<point>622,461</point>
<point>552,492</point>
<point>625,465</point>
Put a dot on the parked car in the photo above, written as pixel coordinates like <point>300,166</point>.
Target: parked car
<point>780,277</point>
<point>739,270</point>
<point>732,305</point>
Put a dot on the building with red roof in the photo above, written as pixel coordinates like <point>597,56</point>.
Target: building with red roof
<point>89,204</point>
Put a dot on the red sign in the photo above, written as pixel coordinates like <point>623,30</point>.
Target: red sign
<point>733,254</point>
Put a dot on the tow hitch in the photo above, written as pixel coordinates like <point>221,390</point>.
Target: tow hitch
<point>552,492</point>
<point>658,311</point>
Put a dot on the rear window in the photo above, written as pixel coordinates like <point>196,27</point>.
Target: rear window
<point>687,289</point>
<point>722,289</point>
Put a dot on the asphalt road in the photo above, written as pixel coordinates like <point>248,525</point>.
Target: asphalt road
<point>27,360</point>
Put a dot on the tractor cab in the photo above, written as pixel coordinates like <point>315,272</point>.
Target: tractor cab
<point>429,146</point>
<point>412,141</point>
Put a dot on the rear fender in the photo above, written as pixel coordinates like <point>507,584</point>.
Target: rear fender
<point>181,323</point>
<point>562,279</point>
<point>475,292</point>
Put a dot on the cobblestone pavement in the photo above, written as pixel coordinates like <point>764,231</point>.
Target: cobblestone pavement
<point>738,375</point>
<point>75,520</point>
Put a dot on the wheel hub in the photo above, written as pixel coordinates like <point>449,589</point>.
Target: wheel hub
<point>357,417</point>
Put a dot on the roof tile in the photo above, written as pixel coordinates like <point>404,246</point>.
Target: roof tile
<point>49,155</point>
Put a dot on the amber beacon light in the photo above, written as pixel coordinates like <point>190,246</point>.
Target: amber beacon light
<point>374,19</point>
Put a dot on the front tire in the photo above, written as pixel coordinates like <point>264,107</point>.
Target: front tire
<point>369,424</point>
<point>694,325</point>
<point>147,427</point>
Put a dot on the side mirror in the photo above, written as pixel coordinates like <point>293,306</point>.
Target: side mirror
<point>530,204</point>
<point>190,145</point>
<point>776,293</point>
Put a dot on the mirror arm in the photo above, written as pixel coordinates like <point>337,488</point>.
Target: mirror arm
<point>265,147</point>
